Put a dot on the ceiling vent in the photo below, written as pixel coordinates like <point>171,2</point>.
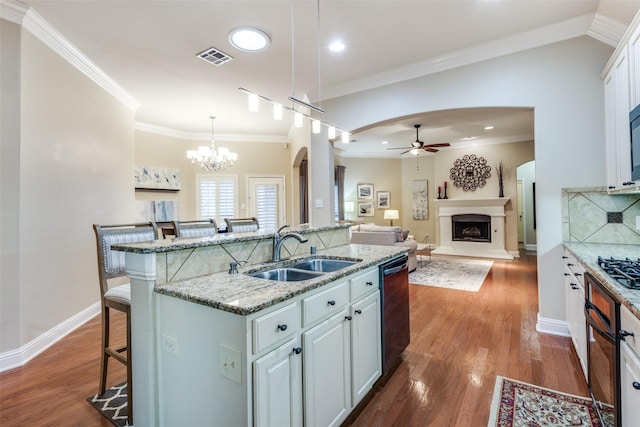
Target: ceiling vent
<point>214,56</point>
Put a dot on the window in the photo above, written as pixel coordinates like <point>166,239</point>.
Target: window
<point>267,206</point>
<point>216,197</point>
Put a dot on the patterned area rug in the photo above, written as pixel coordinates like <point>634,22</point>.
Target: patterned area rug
<point>112,404</point>
<point>520,404</point>
<point>464,274</point>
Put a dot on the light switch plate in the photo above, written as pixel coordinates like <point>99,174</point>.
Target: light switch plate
<point>319,203</point>
<point>170,344</point>
<point>230,363</point>
<point>637,222</point>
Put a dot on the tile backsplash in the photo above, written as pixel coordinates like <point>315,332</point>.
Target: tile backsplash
<point>591,215</point>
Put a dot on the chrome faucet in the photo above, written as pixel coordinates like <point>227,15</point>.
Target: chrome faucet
<point>278,240</point>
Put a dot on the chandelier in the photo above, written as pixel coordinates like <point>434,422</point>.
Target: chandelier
<point>210,159</point>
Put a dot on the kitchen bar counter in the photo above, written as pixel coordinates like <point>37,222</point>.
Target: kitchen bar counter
<point>587,254</point>
<point>243,294</point>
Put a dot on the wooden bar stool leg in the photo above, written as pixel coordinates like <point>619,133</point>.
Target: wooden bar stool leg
<point>104,360</point>
<point>129,371</point>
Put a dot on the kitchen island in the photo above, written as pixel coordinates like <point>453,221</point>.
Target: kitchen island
<point>201,335</point>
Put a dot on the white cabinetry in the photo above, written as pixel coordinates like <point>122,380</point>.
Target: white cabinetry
<point>629,368</point>
<point>305,361</point>
<point>343,356</point>
<point>622,94</point>
<point>574,289</point>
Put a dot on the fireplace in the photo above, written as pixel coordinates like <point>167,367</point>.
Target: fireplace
<point>471,228</point>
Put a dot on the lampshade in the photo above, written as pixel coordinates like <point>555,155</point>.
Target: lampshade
<point>391,214</point>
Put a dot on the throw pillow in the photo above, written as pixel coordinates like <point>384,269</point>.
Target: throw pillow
<point>405,234</point>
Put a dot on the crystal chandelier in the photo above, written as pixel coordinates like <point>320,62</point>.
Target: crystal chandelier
<point>210,159</point>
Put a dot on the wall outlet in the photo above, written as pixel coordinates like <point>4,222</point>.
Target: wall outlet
<point>230,363</point>
<point>170,344</point>
<point>637,222</point>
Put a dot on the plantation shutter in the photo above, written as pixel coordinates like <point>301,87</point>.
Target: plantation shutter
<point>217,197</point>
<point>267,206</point>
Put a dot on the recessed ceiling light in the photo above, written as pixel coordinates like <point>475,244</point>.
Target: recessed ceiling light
<point>249,39</point>
<point>336,46</point>
<point>385,142</point>
<point>468,138</point>
<point>488,127</point>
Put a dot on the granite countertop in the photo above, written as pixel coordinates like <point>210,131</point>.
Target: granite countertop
<point>243,294</point>
<point>169,245</point>
<point>587,253</point>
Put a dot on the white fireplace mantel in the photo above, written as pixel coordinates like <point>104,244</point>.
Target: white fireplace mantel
<point>493,207</point>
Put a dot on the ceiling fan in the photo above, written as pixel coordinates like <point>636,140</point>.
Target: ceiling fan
<point>417,146</point>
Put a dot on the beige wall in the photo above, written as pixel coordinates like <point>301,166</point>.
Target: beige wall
<point>76,158</point>
<point>397,175</point>
<point>254,159</point>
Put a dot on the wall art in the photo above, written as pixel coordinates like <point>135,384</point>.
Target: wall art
<point>470,172</point>
<point>384,199</point>
<point>365,208</point>
<point>365,191</point>
<point>152,178</point>
<point>420,199</point>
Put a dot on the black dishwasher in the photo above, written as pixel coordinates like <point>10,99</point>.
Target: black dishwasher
<point>396,335</point>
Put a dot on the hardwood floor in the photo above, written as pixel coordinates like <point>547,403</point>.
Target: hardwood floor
<point>460,341</point>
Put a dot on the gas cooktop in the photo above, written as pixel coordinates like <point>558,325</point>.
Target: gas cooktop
<point>624,271</point>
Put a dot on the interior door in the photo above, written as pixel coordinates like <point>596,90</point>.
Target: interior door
<point>520,212</point>
<point>267,201</point>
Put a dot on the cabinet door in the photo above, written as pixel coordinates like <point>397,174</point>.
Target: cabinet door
<point>278,387</point>
<point>366,356</point>
<point>327,376</point>
<point>629,386</point>
<point>634,66</point>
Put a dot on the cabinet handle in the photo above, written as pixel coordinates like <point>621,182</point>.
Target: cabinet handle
<point>611,187</point>
<point>331,302</point>
<point>577,274</point>
<point>570,265</point>
<point>358,311</point>
<point>297,350</point>
<point>629,183</point>
<point>567,274</point>
<point>574,287</point>
<point>347,317</point>
<point>282,327</point>
<point>624,333</point>
<point>636,385</point>
<point>564,257</point>
<point>369,283</point>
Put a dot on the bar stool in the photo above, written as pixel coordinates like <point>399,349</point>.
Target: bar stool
<point>200,228</point>
<point>110,266</point>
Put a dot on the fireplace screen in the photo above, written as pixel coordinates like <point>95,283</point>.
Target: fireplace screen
<point>471,228</point>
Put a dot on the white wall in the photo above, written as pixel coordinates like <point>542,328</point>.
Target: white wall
<point>75,168</point>
<point>561,82</point>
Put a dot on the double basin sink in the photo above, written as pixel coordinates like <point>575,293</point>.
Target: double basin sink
<point>303,270</point>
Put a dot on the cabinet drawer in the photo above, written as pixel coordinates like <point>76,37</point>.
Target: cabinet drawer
<point>275,326</point>
<point>364,284</point>
<point>630,323</point>
<point>324,303</point>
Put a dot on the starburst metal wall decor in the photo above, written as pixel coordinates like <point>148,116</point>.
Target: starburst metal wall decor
<point>470,172</point>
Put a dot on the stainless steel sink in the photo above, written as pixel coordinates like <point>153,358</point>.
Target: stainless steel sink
<point>324,265</point>
<point>285,274</point>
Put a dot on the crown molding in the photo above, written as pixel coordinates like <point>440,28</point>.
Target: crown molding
<point>606,30</point>
<point>13,11</point>
<point>43,31</point>
<point>199,136</point>
<point>595,25</point>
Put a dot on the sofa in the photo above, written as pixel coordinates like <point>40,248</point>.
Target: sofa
<point>371,234</point>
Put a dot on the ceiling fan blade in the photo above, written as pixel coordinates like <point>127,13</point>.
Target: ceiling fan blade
<point>441,144</point>
<point>431,150</point>
<point>406,151</point>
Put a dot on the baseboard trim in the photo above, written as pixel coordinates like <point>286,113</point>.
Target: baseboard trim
<point>15,358</point>
<point>552,326</point>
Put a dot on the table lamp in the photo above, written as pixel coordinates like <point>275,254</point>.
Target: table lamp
<point>391,214</point>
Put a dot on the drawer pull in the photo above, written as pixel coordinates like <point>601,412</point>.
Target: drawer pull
<point>567,274</point>
<point>358,311</point>
<point>577,274</point>
<point>297,350</point>
<point>347,317</point>
<point>564,257</point>
<point>332,302</point>
<point>282,327</point>
<point>624,333</point>
<point>570,265</point>
<point>636,385</point>
<point>369,283</point>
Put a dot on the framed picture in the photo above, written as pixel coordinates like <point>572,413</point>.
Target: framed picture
<point>383,199</point>
<point>365,208</point>
<point>420,201</point>
<point>365,191</point>
<point>152,178</point>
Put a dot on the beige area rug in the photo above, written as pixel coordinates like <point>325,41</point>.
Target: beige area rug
<point>520,404</point>
<point>464,274</point>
